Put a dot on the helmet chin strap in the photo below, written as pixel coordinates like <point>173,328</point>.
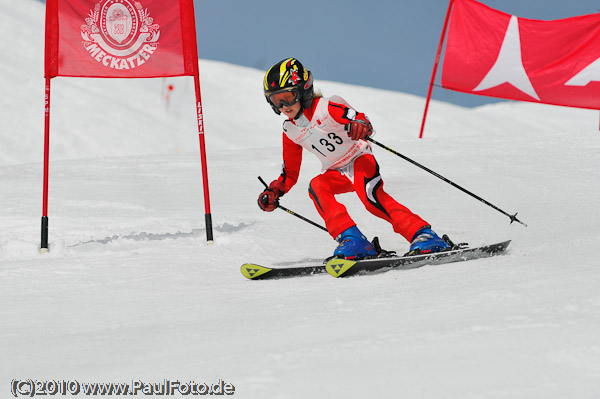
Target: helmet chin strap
<point>300,112</point>
<point>302,108</point>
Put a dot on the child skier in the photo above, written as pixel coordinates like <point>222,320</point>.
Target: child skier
<point>334,132</point>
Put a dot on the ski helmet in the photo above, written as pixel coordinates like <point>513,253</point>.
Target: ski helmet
<point>289,75</point>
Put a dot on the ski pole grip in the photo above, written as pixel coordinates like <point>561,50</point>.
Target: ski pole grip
<point>265,198</point>
<point>263,182</point>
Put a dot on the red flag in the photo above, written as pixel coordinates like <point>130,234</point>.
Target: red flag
<point>495,54</point>
<point>120,38</point>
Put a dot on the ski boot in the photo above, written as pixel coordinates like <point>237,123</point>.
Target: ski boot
<point>426,241</point>
<point>353,245</point>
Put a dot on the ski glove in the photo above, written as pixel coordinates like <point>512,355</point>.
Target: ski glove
<point>268,199</point>
<point>359,129</point>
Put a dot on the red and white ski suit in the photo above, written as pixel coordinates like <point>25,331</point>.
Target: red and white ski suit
<point>347,166</point>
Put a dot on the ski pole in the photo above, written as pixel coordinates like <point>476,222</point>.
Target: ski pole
<point>290,211</point>
<point>513,218</point>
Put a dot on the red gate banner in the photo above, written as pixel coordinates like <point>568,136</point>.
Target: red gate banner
<point>120,38</point>
<point>495,54</point>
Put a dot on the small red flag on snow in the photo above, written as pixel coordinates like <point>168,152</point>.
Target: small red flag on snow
<point>120,38</point>
<point>495,54</point>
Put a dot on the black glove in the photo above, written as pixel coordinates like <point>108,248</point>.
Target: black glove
<point>268,199</point>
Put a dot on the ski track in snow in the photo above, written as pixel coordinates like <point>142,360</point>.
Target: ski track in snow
<point>130,290</point>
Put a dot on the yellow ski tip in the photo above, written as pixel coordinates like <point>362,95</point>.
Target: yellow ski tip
<point>252,271</point>
<point>337,267</point>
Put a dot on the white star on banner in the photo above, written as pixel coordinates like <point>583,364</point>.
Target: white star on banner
<point>590,73</point>
<point>509,65</point>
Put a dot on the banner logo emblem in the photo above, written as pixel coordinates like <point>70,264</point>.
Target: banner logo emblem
<point>120,34</point>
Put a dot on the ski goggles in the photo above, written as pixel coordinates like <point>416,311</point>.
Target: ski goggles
<point>284,98</point>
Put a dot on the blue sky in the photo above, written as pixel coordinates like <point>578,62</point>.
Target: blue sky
<point>388,44</point>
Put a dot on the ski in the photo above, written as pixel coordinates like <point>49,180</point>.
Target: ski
<point>257,272</point>
<point>346,267</point>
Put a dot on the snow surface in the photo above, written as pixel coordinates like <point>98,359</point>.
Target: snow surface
<point>130,290</point>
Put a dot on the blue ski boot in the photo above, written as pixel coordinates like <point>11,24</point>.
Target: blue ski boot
<point>426,241</point>
<point>353,244</point>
